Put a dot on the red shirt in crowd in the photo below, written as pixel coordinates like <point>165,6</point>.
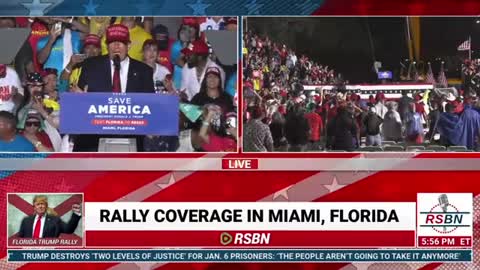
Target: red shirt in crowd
<point>283,54</point>
<point>164,56</point>
<point>39,30</point>
<point>220,144</point>
<point>419,107</point>
<point>22,22</point>
<point>316,125</point>
<point>331,111</point>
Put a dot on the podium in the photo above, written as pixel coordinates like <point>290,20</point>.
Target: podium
<point>117,145</point>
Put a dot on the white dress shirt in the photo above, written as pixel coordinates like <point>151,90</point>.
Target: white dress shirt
<point>190,83</point>
<point>42,225</point>
<point>123,72</point>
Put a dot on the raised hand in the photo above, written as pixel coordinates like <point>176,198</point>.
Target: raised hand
<point>76,89</point>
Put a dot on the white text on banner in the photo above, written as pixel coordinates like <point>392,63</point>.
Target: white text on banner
<point>265,216</point>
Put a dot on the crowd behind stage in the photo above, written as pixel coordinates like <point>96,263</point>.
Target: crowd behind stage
<point>58,56</point>
<point>280,115</point>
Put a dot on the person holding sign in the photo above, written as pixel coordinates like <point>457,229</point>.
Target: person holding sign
<point>127,75</point>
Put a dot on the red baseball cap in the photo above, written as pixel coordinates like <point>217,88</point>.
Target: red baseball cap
<point>191,21</point>
<point>196,47</point>
<point>212,70</point>
<point>118,32</point>
<point>231,20</point>
<point>49,71</point>
<point>92,39</point>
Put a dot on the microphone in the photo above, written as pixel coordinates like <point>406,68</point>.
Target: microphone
<point>443,200</point>
<point>116,61</point>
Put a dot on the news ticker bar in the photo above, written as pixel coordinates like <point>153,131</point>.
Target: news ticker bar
<point>251,255</point>
<point>239,164</point>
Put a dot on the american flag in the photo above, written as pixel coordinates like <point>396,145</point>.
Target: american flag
<point>430,78</point>
<point>465,46</point>
<point>442,79</point>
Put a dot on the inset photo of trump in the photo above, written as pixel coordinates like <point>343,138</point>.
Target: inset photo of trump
<point>48,219</point>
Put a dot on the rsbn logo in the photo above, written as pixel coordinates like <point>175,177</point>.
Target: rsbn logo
<point>444,217</point>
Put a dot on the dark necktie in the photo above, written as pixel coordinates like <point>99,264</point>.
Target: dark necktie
<point>116,84</point>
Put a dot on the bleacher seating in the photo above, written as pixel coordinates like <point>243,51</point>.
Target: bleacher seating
<point>389,143</point>
<point>458,149</point>
<point>393,148</point>
<point>410,148</point>
<point>437,148</point>
<point>371,149</point>
<point>415,148</point>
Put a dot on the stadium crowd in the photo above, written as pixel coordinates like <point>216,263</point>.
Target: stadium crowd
<point>63,54</point>
<point>280,115</point>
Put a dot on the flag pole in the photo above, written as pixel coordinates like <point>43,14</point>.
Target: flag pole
<point>470,48</point>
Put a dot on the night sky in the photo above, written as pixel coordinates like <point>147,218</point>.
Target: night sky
<point>345,44</point>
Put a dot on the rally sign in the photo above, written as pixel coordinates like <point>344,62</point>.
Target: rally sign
<point>113,113</point>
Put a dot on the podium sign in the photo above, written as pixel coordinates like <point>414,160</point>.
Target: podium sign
<point>119,114</point>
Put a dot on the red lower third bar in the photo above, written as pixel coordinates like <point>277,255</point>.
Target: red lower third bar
<point>445,241</point>
<point>368,239</point>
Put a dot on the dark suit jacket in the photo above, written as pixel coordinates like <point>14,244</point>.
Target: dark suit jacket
<point>96,73</point>
<point>53,227</point>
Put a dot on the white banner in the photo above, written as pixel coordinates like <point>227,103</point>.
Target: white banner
<point>251,216</point>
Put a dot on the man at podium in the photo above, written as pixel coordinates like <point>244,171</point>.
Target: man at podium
<point>115,72</point>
